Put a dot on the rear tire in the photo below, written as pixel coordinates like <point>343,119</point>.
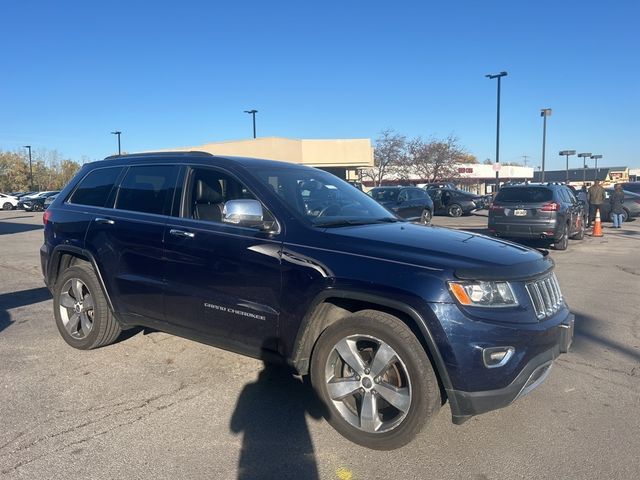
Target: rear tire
<point>425,218</point>
<point>82,314</point>
<point>376,380</point>
<point>563,242</point>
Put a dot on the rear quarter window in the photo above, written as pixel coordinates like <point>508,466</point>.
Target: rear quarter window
<point>524,195</point>
<point>94,189</point>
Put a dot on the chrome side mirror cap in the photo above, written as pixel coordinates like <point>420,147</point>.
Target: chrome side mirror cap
<point>244,213</point>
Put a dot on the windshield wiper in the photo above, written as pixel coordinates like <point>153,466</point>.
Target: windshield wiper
<point>346,223</point>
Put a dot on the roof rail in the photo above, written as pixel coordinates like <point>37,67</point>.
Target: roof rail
<point>161,154</point>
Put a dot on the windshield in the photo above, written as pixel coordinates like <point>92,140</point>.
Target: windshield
<point>323,199</point>
<point>384,194</point>
<point>524,195</point>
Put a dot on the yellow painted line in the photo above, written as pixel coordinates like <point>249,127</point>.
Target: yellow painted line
<point>344,474</point>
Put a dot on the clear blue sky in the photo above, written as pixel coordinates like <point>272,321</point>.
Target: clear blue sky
<point>181,73</point>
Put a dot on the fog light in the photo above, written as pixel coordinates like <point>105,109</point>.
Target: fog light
<point>494,357</point>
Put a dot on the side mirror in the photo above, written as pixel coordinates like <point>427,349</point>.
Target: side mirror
<point>244,213</point>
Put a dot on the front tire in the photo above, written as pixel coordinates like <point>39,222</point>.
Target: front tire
<point>7,206</point>
<point>580,234</point>
<point>454,210</point>
<point>376,380</point>
<point>82,314</point>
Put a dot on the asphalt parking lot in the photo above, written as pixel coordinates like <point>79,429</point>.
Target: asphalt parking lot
<point>158,406</point>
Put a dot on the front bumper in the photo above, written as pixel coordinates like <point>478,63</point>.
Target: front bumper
<point>465,405</point>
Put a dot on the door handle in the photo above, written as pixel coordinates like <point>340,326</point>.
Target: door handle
<point>106,221</point>
<point>181,233</point>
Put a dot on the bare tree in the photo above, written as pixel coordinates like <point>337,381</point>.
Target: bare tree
<point>389,154</point>
<point>435,159</point>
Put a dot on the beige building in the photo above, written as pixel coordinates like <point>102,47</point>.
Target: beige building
<point>342,157</point>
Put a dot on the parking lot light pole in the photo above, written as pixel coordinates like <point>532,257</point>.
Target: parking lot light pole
<point>584,157</point>
<point>28,147</point>
<point>118,133</point>
<point>544,113</point>
<point>253,114</point>
<point>596,158</point>
<point>567,153</point>
<point>491,77</point>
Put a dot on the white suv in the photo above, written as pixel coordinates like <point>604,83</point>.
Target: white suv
<point>7,202</point>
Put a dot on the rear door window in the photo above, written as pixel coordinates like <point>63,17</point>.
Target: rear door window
<point>524,195</point>
<point>94,189</point>
<point>416,194</point>
<point>147,189</point>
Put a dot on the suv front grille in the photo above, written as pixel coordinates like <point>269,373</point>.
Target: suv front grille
<point>545,296</point>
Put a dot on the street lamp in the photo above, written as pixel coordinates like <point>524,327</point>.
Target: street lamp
<point>544,113</point>
<point>584,157</point>
<point>491,77</point>
<point>567,153</point>
<point>596,157</point>
<point>28,147</point>
<point>253,114</point>
<point>118,133</point>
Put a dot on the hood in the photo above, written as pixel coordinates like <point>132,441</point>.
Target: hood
<point>469,255</point>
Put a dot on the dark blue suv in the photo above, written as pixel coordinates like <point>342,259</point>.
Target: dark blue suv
<point>280,261</point>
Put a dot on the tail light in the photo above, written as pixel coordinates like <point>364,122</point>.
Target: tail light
<point>550,207</point>
<point>45,216</point>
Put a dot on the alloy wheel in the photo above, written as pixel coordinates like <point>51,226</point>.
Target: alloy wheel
<point>368,383</point>
<point>76,308</point>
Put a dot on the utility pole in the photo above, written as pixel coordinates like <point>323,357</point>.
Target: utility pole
<point>596,157</point>
<point>253,113</point>
<point>544,113</point>
<point>525,157</point>
<point>567,153</point>
<point>497,167</point>
<point>584,157</point>
<point>28,147</point>
<point>118,133</point>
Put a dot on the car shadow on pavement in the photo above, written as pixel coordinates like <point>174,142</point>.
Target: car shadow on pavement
<point>7,228</point>
<point>271,415</point>
<point>20,299</point>
<point>587,330</point>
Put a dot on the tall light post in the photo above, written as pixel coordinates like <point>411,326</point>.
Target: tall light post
<point>28,147</point>
<point>584,157</point>
<point>567,153</point>
<point>497,169</point>
<point>253,114</point>
<point>544,113</point>
<point>596,158</point>
<point>118,133</point>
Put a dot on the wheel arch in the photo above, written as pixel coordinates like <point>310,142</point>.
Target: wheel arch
<point>329,307</point>
<point>65,256</point>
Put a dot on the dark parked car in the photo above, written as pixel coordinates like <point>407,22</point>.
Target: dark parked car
<point>411,203</point>
<point>388,318</point>
<point>631,205</point>
<point>36,204</point>
<point>49,200</point>
<point>538,211</point>
<point>452,202</point>
<point>633,187</point>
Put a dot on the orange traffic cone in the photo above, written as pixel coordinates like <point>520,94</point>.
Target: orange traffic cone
<point>597,227</point>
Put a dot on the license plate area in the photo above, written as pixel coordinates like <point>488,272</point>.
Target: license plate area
<point>520,212</point>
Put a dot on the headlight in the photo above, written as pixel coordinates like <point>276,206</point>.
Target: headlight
<point>483,294</point>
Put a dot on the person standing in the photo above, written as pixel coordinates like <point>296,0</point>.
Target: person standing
<point>584,200</point>
<point>616,200</point>
<point>595,195</point>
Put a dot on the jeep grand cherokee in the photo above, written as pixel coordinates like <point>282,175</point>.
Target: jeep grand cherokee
<point>389,318</point>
